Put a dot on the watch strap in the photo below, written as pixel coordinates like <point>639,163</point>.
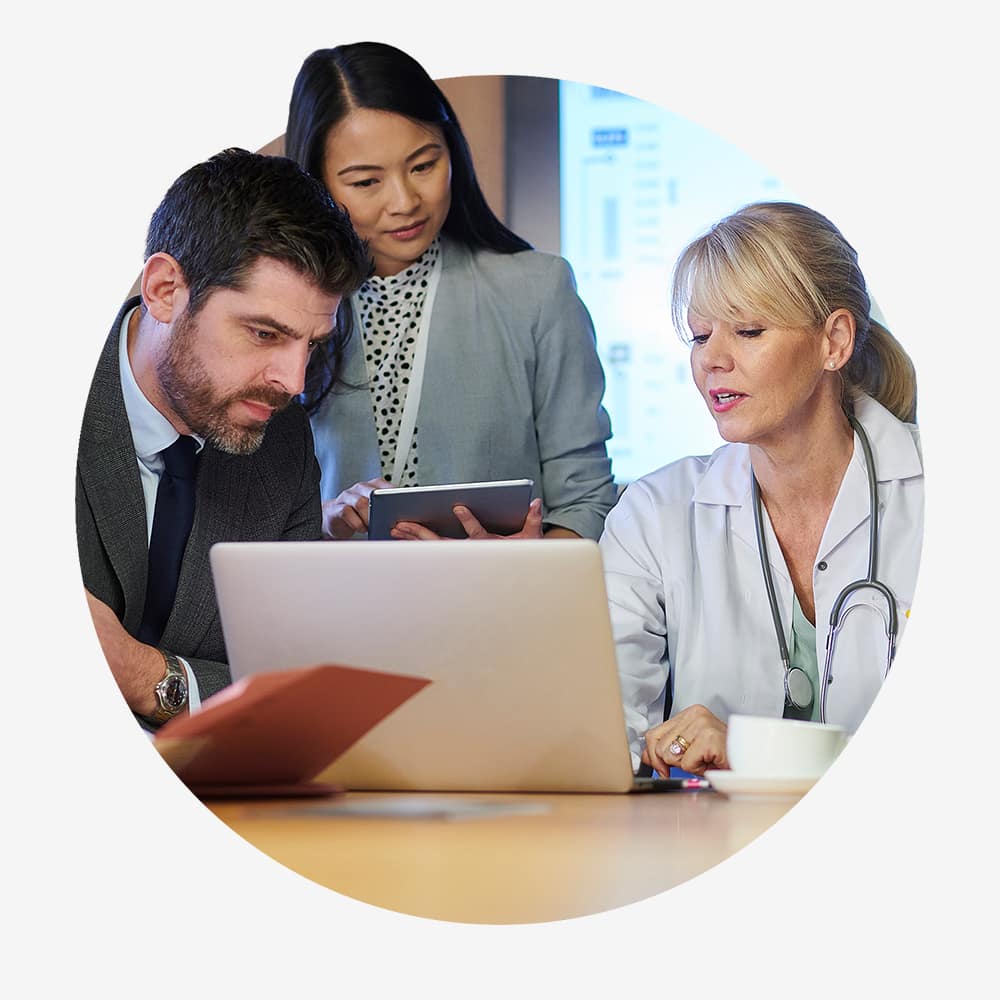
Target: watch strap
<point>167,710</point>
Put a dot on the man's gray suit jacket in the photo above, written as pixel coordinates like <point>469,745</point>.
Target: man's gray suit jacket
<point>270,495</point>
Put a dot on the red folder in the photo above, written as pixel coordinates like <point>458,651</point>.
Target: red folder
<point>271,733</point>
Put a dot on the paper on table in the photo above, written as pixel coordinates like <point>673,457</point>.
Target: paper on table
<point>279,729</point>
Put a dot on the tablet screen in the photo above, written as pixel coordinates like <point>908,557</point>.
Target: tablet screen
<point>500,507</point>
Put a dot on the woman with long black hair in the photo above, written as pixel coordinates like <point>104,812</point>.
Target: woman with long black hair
<point>473,357</point>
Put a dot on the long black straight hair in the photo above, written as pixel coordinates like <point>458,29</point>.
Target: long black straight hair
<point>373,75</point>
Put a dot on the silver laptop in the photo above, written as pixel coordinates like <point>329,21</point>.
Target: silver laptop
<point>515,637</point>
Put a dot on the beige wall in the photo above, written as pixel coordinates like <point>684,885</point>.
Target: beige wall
<point>478,102</point>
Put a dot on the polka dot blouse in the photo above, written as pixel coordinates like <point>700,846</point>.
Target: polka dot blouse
<point>390,310</point>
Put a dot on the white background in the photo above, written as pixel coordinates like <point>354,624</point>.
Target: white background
<point>883,878</point>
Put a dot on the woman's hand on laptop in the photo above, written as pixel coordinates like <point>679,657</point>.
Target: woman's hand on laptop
<point>693,740</point>
<point>348,514</point>
<point>532,527</point>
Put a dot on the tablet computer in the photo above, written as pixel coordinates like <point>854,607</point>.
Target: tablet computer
<point>500,507</point>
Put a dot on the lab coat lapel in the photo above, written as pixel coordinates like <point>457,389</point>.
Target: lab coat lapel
<point>896,456</point>
<point>851,508</point>
<point>726,482</point>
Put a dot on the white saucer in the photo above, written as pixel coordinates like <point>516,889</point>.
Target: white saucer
<point>736,785</point>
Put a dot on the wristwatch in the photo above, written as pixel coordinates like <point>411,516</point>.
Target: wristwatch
<point>171,690</point>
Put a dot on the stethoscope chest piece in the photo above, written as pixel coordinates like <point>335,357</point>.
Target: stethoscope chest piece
<point>798,688</point>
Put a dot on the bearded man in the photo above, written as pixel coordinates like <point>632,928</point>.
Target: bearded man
<point>192,433</point>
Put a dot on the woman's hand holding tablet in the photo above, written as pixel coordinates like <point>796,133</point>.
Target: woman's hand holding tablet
<point>501,509</point>
<point>532,527</point>
<point>347,515</point>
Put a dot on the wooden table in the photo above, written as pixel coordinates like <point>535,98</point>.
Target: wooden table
<point>559,856</point>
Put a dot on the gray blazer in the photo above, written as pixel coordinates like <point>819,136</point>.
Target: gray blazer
<point>512,389</point>
<point>270,495</point>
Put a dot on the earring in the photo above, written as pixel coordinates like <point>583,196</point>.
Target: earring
<point>831,364</point>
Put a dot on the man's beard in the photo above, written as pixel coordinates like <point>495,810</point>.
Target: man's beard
<point>189,389</point>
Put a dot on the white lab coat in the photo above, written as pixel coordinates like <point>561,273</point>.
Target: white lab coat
<point>687,594</point>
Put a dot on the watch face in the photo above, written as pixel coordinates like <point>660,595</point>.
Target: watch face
<point>174,692</point>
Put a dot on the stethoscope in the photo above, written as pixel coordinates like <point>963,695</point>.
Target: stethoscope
<point>799,692</point>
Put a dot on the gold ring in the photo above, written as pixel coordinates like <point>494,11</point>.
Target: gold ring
<point>679,746</point>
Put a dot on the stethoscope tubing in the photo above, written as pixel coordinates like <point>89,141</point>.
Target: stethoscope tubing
<point>837,613</point>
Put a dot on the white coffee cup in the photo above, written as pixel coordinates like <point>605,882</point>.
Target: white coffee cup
<point>782,748</point>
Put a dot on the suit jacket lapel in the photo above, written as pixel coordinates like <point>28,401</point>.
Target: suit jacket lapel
<point>110,477</point>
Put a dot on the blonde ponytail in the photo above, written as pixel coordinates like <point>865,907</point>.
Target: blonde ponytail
<point>883,370</point>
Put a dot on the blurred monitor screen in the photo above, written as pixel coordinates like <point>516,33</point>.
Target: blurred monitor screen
<point>636,184</point>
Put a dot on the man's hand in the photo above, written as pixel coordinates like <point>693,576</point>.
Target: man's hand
<point>136,667</point>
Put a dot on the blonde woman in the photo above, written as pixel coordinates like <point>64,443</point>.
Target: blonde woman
<point>724,571</point>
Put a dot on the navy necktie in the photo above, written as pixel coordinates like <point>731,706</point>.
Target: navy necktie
<point>172,519</point>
